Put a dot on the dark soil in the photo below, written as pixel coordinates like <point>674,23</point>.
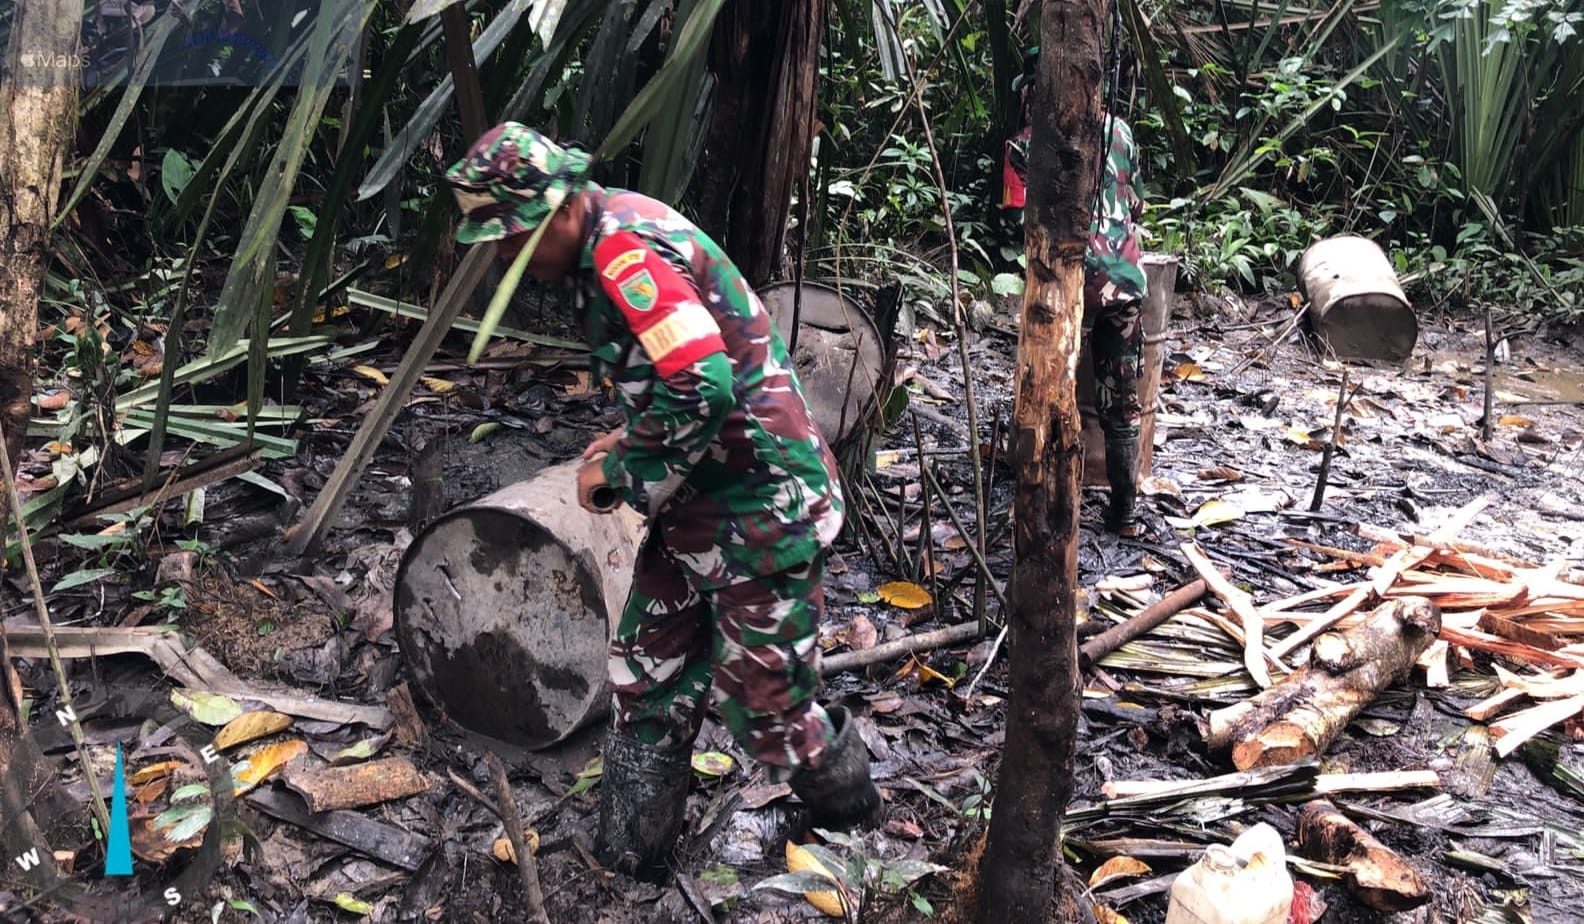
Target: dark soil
<point>1412,454</point>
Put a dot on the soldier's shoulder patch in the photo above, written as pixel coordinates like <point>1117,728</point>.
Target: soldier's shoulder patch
<point>638,290</point>
<point>619,263</point>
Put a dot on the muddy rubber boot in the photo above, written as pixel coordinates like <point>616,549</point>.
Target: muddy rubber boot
<point>838,793</point>
<point>1122,473</point>
<point>643,793</point>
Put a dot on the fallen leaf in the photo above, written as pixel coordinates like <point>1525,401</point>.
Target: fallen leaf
<point>1215,511</point>
<point>1117,868</point>
<point>208,708</point>
<point>801,861</point>
<point>506,853</point>
<point>250,726</point>
<point>361,751</point>
<point>861,633</point>
<point>152,790</point>
<point>265,763</point>
<point>395,260</point>
<point>904,594</point>
<point>53,402</point>
<point>1220,473</point>
<point>155,772</point>
<point>485,429</point>
<point>372,374</point>
<point>713,763</point>
<point>263,588</point>
<point>1106,915</point>
<point>346,902</point>
<point>1505,420</point>
<point>928,675</point>
<point>438,385</point>
<point>1188,372</point>
<point>882,460</point>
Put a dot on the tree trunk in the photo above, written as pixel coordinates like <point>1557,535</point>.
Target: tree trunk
<point>1021,861</point>
<point>38,120</point>
<point>765,60</point>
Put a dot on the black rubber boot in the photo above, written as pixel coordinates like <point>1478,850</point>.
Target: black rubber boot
<point>643,793</point>
<point>1122,473</point>
<point>838,793</point>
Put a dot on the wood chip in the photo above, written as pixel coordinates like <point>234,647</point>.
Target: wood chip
<point>331,788</point>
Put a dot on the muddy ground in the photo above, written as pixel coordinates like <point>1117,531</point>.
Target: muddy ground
<point>1498,847</point>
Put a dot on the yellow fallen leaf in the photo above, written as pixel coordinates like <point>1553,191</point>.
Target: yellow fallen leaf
<point>1215,511</point>
<point>155,771</point>
<point>208,708</point>
<point>395,260</point>
<point>346,902</point>
<point>265,763</point>
<point>250,726</point>
<point>152,790</point>
<point>1188,372</point>
<point>506,853</point>
<point>1106,915</point>
<point>1298,434</point>
<point>886,459</point>
<point>928,675</point>
<point>1220,473</point>
<point>372,374</point>
<point>904,594</point>
<point>438,385</point>
<point>1117,868</point>
<point>713,763</point>
<point>801,861</point>
<point>1506,420</point>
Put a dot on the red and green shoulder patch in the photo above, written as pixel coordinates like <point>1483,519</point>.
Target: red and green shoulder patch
<point>661,307</point>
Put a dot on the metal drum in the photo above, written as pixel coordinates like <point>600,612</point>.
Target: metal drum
<point>504,608</point>
<point>839,358</point>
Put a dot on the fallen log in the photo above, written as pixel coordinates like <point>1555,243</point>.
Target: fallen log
<point>330,788</point>
<point>1376,875</point>
<point>1146,619</point>
<point>887,651</point>
<point>1300,716</point>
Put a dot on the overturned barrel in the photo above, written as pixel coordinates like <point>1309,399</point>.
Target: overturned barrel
<point>504,608</point>
<point>840,357</point>
<point>1356,306</point>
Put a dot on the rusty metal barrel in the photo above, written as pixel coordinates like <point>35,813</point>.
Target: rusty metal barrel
<point>1160,277</point>
<point>504,608</point>
<point>839,358</point>
<point>1356,305</point>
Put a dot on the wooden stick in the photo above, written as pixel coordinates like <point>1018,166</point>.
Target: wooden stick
<point>1521,726</point>
<point>886,651</point>
<point>1480,641</point>
<point>1141,622</point>
<point>1324,784</point>
<point>1331,442</point>
<point>308,532</point>
<point>1241,604</point>
<point>1376,875</point>
<point>47,627</point>
<point>527,867</point>
<point>1382,580</point>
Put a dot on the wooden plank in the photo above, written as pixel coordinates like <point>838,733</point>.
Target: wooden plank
<point>376,839</point>
<point>1241,604</point>
<point>1521,726</point>
<point>327,789</point>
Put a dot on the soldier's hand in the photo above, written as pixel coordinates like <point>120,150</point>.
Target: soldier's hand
<point>594,493</point>
<point>603,443</point>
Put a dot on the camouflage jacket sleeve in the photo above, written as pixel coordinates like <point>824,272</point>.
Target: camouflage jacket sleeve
<point>693,389</point>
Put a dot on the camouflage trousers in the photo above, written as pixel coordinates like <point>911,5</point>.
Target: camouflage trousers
<point>1117,345</point>
<point>754,642</point>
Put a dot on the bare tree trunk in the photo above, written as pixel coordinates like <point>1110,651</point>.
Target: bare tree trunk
<point>765,58</point>
<point>38,120</point>
<point>1021,861</point>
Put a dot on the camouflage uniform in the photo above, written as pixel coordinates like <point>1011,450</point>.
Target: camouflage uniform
<point>1113,277</point>
<point>720,453</point>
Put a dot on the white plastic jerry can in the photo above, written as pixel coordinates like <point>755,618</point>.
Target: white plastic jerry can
<point>1246,883</point>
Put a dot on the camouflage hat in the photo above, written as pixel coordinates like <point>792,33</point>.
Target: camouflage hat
<point>512,179</point>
